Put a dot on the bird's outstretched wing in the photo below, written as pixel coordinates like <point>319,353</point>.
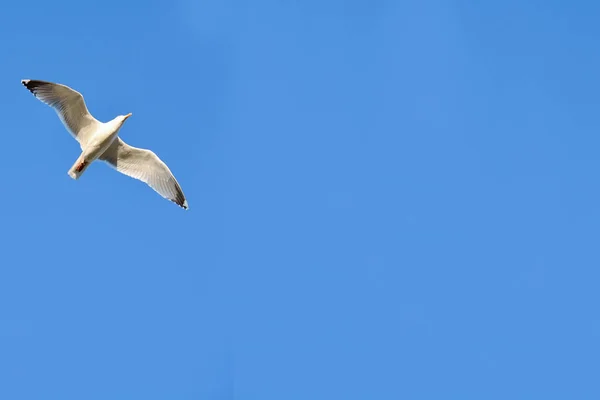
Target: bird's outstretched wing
<point>144,165</point>
<point>68,104</point>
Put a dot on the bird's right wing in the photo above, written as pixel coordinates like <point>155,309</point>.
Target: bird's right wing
<point>144,165</point>
<point>68,104</point>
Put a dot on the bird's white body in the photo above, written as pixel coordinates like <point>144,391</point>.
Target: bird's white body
<point>100,136</point>
<point>101,141</point>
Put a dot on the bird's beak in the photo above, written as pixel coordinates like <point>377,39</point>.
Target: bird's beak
<point>127,116</point>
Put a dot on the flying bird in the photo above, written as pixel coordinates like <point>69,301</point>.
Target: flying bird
<point>100,141</point>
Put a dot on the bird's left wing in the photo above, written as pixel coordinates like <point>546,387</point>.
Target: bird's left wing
<point>68,104</point>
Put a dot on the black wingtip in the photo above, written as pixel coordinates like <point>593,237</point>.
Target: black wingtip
<point>179,198</point>
<point>183,204</point>
<point>29,84</point>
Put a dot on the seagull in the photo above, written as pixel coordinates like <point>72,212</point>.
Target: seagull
<point>100,141</point>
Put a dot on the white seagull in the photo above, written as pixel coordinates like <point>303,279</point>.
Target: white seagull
<point>100,140</point>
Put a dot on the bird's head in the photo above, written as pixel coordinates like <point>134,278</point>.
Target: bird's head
<point>119,120</point>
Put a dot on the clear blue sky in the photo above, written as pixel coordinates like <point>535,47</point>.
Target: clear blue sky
<point>388,200</point>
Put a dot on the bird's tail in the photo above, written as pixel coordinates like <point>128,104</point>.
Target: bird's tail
<point>78,168</point>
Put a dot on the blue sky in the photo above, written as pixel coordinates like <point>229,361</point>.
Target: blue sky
<point>388,200</point>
